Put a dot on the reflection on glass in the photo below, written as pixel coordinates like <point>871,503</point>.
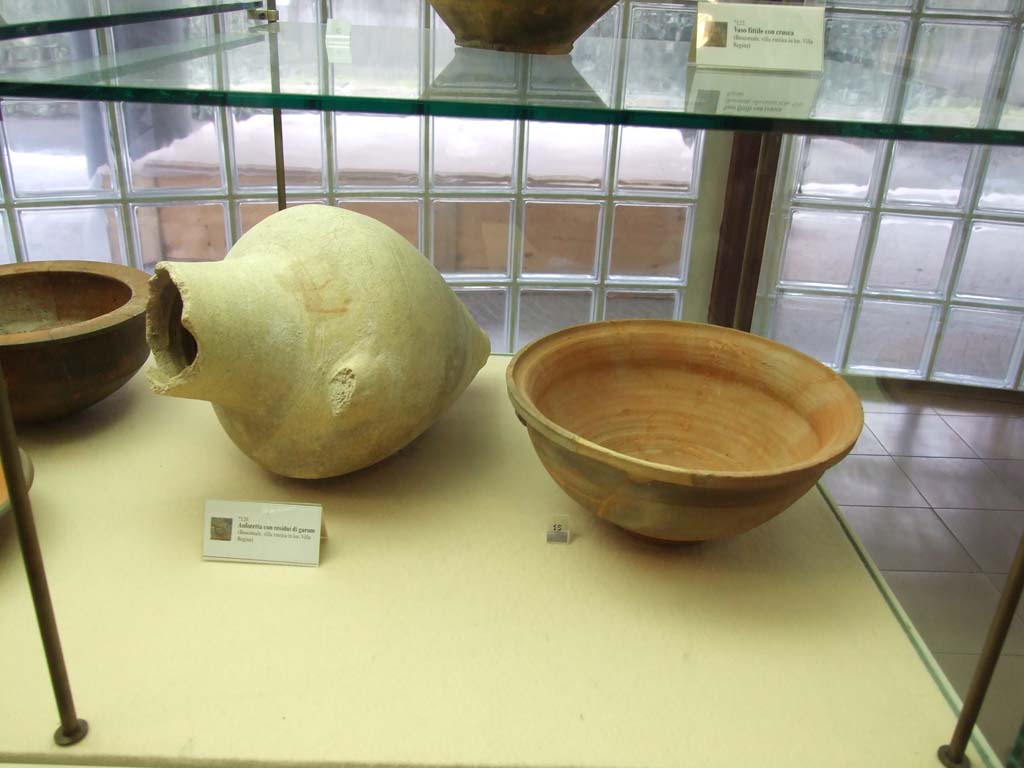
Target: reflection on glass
<point>980,346</point>
<point>383,61</point>
<point>624,305</point>
<point>993,269</point>
<point>656,56</point>
<point>545,310</point>
<point>596,54</point>
<point>1003,189</point>
<point>980,7</point>
<point>85,233</point>
<point>822,248</point>
<point>647,241</point>
<point>299,53</point>
<point>489,307</point>
<point>180,232</point>
<point>252,132</point>
<point>953,62</point>
<point>893,338</point>
<point>472,152</point>
<point>51,13</point>
<point>863,56</point>
<point>194,71</point>
<point>912,255</point>
<point>815,325</point>
<point>7,255</point>
<point>173,147</point>
<point>58,147</point>
<point>472,74</point>
<point>442,51</point>
<point>657,159</point>
<point>560,238</point>
<point>403,216</point>
<point>472,237</point>
<point>879,4</point>
<point>556,79</point>
<point>839,168</point>
<point>1012,118</point>
<point>925,173</point>
<point>377,150</point>
<point>380,13</point>
<point>565,156</point>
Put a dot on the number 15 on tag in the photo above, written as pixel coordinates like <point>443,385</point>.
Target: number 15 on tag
<point>558,531</point>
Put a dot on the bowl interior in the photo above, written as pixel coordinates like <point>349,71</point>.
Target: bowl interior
<point>46,300</point>
<point>692,397</point>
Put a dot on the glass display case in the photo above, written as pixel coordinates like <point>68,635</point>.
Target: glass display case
<point>441,628</point>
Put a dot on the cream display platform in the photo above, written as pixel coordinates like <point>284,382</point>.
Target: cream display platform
<point>440,628</point>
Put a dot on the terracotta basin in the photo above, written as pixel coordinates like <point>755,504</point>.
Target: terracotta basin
<point>680,431</point>
<point>524,26</point>
<point>28,469</point>
<point>71,333</point>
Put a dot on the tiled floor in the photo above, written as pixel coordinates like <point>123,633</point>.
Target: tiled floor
<point>935,491</point>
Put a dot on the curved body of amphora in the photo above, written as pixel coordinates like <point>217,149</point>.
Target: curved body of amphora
<point>324,340</point>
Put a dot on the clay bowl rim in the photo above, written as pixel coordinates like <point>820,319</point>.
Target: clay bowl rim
<point>643,471</point>
<point>136,280</point>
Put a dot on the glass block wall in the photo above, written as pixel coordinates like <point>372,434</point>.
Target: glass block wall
<point>535,225</point>
<point>905,259</point>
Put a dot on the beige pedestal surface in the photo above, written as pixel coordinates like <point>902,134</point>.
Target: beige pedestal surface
<point>440,629</point>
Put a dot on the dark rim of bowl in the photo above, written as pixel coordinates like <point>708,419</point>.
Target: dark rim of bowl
<point>669,473</point>
<point>136,280</point>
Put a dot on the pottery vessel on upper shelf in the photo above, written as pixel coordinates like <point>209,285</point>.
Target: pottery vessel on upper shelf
<point>680,431</point>
<point>324,340</point>
<point>525,26</point>
<point>71,333</point>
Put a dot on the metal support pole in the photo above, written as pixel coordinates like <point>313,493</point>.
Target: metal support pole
<point>952,755</point>
<point>282,201</point>
<point>748,197</point>
<point>72,730</point>
<point>760,213</point>
<point>275,87</point>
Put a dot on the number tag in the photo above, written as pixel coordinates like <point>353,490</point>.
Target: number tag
<point>558,531</point>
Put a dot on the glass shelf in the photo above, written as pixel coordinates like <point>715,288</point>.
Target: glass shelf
<point>20,18</point>
<point>867,89</point>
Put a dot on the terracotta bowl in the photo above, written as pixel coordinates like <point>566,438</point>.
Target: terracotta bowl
<point>680,431</point>
<point>71,333</point>
<point>524,26</point>
<point>30,473</point>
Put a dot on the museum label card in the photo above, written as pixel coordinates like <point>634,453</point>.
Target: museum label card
<point>338,41</point>
<point>767,37</point>
<point>262,532</point>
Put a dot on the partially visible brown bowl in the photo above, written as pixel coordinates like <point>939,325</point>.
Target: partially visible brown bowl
<point>523,26</point>
<point>681,431</point>
<point>71,333</point>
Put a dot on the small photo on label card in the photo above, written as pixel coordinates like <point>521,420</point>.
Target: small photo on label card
<point>770,37</point>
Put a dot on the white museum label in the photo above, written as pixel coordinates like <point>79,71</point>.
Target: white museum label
<point>558,531</point>
<point>338,41</point>
<point>765,37</point>
<point>262,532</point>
